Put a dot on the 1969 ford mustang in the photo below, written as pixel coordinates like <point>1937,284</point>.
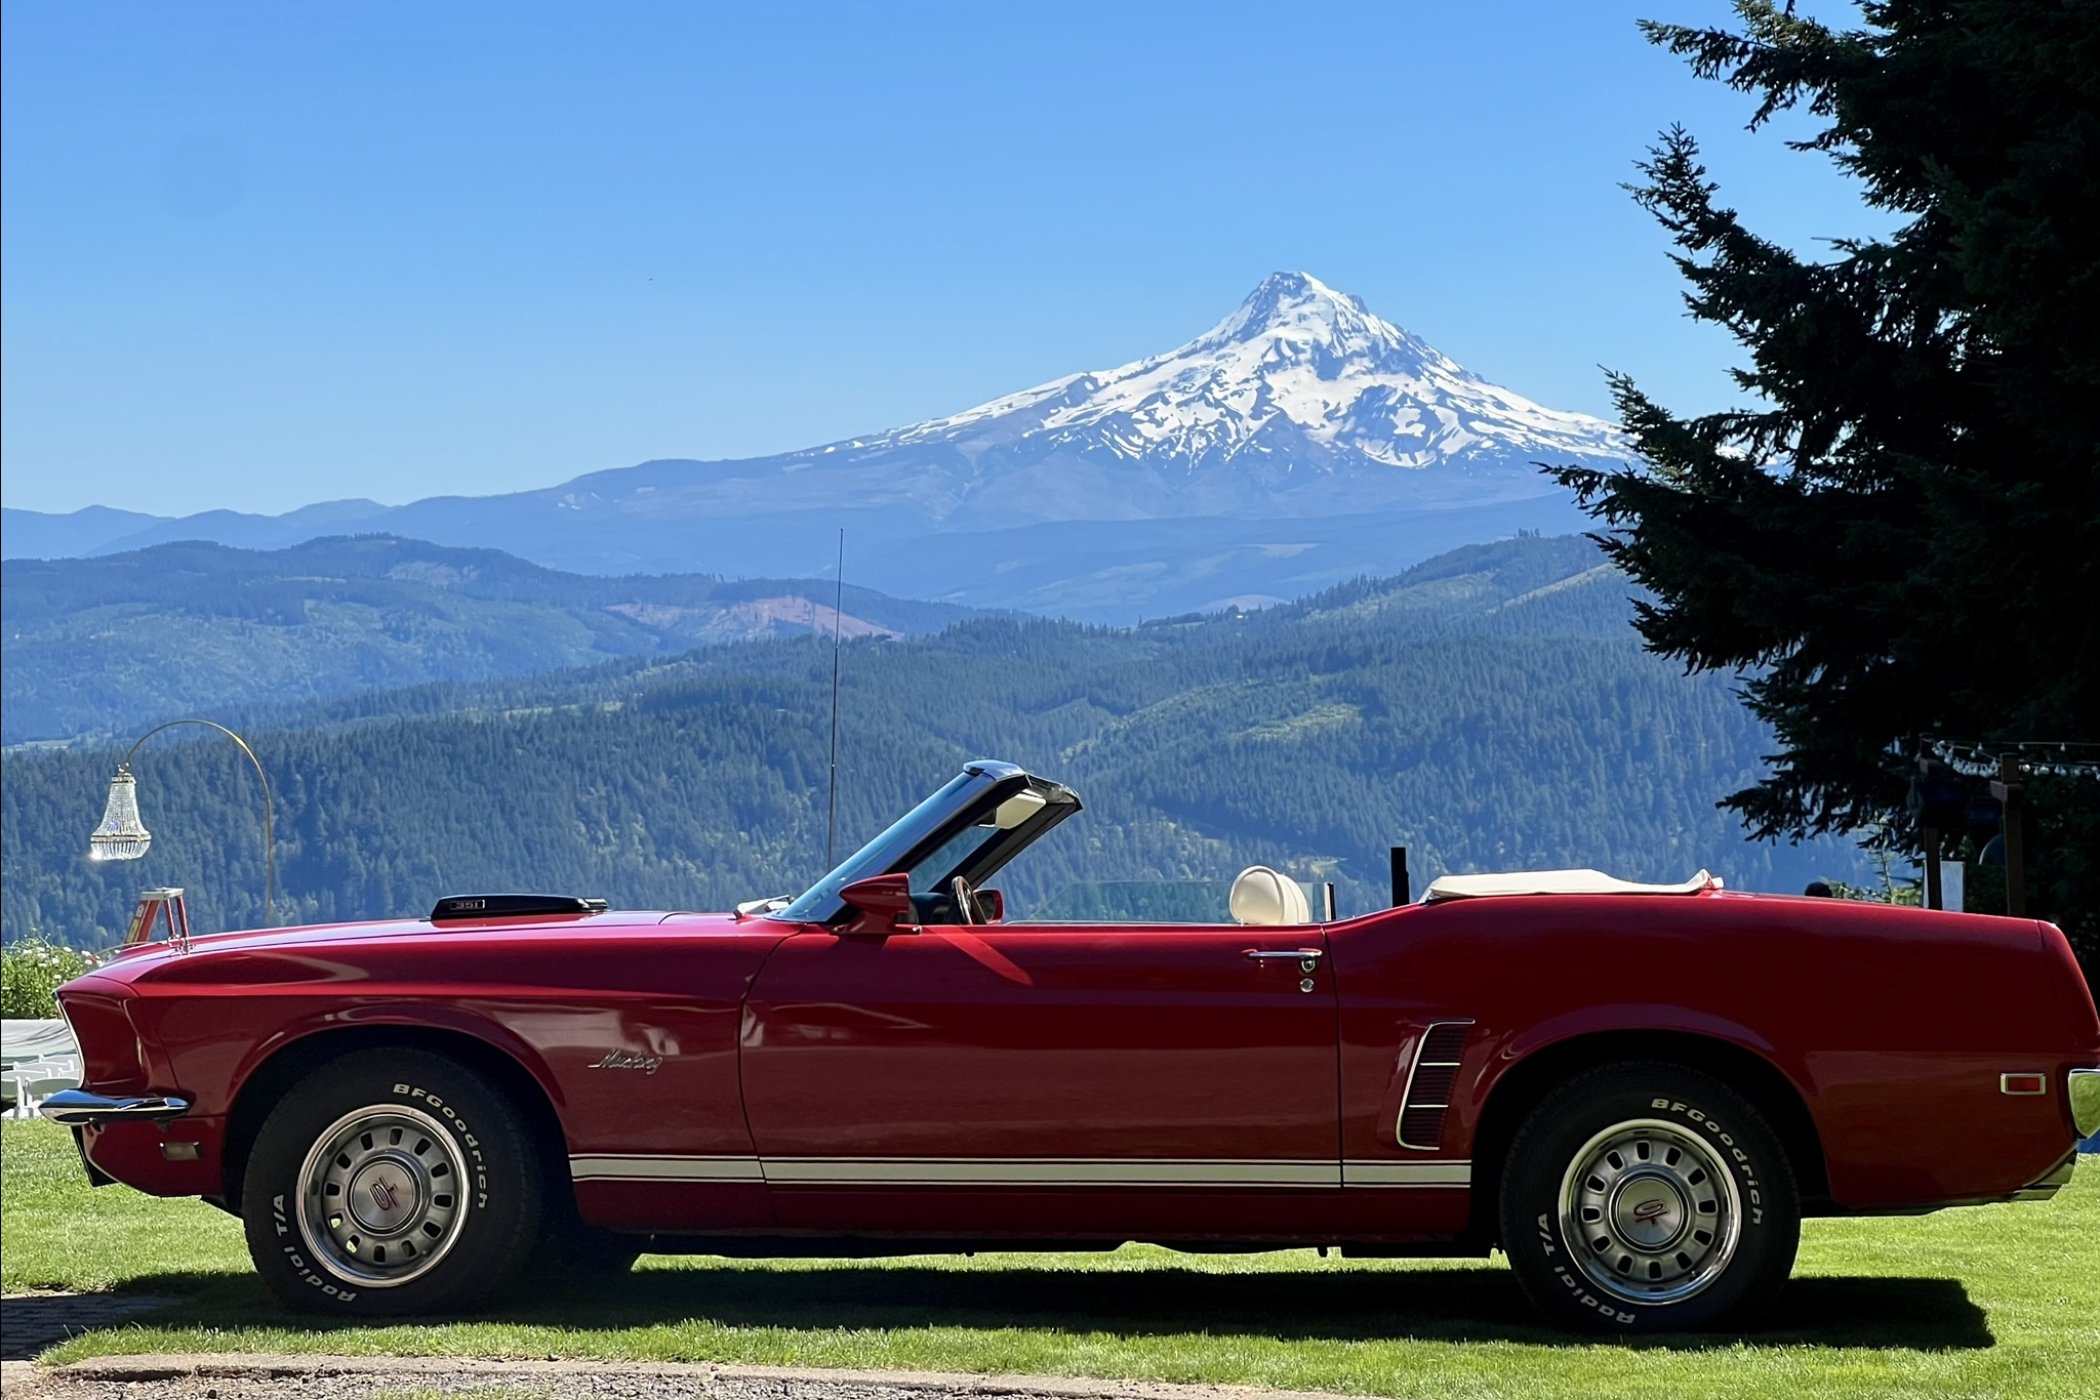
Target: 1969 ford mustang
<point>1636,1092</point>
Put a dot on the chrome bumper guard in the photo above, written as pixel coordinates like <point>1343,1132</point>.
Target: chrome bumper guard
<point>2082,1089</point>
<point>77,1108</point>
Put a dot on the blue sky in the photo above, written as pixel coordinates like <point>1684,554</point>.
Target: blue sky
<point>260,255</point>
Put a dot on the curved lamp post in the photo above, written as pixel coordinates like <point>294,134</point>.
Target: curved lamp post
<point>123,835</point>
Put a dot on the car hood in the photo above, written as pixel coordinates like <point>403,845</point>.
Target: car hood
<point>129,963</point>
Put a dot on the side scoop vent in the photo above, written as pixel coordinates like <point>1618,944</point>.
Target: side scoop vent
<point>455,908</point>
<point>1430,1079</point>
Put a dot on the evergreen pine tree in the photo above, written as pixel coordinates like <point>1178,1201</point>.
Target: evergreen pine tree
<point>1899,535</point>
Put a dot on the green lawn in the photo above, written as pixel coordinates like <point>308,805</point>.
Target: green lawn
<point>1995,1301</point>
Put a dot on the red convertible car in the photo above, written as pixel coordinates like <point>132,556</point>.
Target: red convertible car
<point>1636,1092</point>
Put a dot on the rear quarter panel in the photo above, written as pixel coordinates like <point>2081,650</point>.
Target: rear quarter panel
<point>1893,1025</point>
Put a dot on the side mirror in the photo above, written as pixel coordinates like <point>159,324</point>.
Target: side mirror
<point>993,904</point>
<point>880,904</point>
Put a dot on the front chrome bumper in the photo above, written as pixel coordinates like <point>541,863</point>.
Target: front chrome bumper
<point>77,1108</point>
<point>2082,1089</point>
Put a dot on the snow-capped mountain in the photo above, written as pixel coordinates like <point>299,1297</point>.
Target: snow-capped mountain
<point>1299,371</point>
<point>1298,441</point>
<point>1301,402</point>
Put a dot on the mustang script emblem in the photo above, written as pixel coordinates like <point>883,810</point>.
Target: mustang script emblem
<point>627,1059</point>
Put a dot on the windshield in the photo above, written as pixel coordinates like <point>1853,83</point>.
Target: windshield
<point>969,830</point>
<point>821,901</point>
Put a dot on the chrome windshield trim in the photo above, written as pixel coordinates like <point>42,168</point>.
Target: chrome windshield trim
<point>78,1108</point>
<point>2082,1092</point>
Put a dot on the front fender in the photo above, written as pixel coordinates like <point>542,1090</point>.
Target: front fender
<point>421,1016</point>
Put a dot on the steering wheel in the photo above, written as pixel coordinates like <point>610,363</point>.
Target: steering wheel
<point>966,905</point>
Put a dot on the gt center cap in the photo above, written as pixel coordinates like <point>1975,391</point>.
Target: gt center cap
<point>383,1196</point>
<point>1649,1212</point>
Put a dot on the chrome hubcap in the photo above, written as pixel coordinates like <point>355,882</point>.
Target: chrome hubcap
<point>1649,1212</point>
<point>382,1196</point>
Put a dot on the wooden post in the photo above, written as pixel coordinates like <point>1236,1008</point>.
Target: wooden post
<point>1932,868</point>
<point>2007,787</point>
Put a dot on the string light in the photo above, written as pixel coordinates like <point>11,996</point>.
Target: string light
<point>2046,758</point>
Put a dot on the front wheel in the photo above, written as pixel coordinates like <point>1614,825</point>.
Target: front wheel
<point>1649,1198</point>
<point>391,1182</point>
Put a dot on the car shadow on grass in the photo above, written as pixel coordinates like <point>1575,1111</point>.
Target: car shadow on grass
<point>1367,1305</point>
<point>31,1322</point>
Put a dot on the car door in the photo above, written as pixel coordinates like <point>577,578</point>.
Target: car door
<point>1150,1082</point>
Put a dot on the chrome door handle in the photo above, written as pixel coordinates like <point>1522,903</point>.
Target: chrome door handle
<point>1308,960</point>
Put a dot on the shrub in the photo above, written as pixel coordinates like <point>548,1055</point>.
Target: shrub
<point>31,970</point>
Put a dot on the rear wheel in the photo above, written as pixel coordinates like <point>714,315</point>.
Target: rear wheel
<point>1649,1197</point>
<point>391,1181</point>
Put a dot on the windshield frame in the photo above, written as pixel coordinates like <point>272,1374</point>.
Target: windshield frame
<point>962,801</point>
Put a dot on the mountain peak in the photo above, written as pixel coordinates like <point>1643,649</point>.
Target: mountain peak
<point>1301,381</point>
<point>1289,289</point>
<point>1299,302</point>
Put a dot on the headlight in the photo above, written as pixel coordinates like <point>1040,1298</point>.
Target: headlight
<point>111,1058</point>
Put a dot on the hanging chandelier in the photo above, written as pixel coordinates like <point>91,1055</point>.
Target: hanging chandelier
<point>122,834</point>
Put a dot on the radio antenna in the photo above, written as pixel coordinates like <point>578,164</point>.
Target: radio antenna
<point>838,610</point>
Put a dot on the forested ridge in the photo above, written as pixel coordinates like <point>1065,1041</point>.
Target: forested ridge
<point>112,643</point>
<point>1490,708</point>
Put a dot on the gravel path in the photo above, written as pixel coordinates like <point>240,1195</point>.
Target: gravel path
<point>354,1378</point>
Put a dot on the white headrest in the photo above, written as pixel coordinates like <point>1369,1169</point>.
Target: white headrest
<point>1261,896</point>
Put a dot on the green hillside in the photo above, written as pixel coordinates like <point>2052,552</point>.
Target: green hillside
<point>96,645</point>
<point>1488,709</point>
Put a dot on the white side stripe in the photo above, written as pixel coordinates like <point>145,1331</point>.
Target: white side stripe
<point>1049,1171</point>
<point>634,1167</point>
<point>1213,1173</point>
<point>1407,1173</point>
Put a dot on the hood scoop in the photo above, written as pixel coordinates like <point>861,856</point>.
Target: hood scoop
<point>456,908</point>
